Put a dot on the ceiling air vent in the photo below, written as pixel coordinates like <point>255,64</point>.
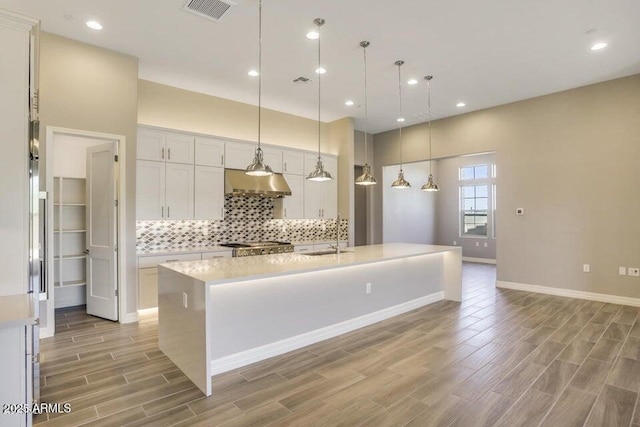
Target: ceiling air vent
<point>210,9</point>
<point>424,115</point>
<point>301,79</point>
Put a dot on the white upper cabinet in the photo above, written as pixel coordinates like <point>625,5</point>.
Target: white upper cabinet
<point>163,146</point>
<point>151,144</point>
<point>209,152</point>
<point>150,190</point>
<point>293,162</point>
<point>209,193</point>
<point>180,148</point>
<point>273,158</point>
<point>293,205</point>
<point>321,198</point>
<point>179,192</point>
<point>239,155</point>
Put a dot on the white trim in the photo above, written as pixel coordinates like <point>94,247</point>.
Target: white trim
<point>121,142</point>
<point>257,354</point>
<point>480,260</point>
<point>562,292</point>
<point>129,317</point>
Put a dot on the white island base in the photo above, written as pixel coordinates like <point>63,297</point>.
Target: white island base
<point>220,314</point>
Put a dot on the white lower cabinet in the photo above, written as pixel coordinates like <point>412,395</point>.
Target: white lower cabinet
<point>209,193</point>
<point>148,273</point>
<point>15,364</point>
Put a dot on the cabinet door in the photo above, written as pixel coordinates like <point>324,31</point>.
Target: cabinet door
<point>293,205</point>
<point>179,191</point>
<point>209,152</point>
<point>312,199</point>
<point>273,158</point>
<point>218,254</point>
<point>180,148</point>
<point>209,193</point>
<point>151,145</point>
<point>147,288</point>
<point>150,190</point>
<point>293,162</point>
<point>238,155</point>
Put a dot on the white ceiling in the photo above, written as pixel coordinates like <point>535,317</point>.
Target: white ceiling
<point>484,53</point>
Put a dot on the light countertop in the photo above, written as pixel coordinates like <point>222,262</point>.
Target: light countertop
<point>216,248</point>
<point>17,310</point>
<point>227,270</point>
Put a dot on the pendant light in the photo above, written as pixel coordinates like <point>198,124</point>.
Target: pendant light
<point>366,178</point>
<point>400,183</point>
<point>319,174</point>
<point>430,185</point>
<point>259,167</point>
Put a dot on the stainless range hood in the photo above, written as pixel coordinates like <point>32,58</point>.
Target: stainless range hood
<point>237,183</point>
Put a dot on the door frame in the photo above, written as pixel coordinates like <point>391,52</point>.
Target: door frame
<point>120,174</point>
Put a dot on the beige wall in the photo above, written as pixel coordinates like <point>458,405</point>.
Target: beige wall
<point>88,88</point>
<point>571,160</point>
<point>170,107</point>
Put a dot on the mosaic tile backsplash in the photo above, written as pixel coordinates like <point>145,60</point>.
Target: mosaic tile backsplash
<point>247,219</point>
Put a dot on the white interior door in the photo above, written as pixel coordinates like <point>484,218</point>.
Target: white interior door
<point>102,266</point>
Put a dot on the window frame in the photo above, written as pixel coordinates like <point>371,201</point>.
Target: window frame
<point>490,183</point>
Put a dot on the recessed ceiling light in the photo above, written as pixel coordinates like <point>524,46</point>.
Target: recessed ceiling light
<point>401,119</point>
<point>599,46</point>
<point>320,70</point>
<point>253,73</point>
<point>461,104</point>
<point>94,25</point>
<point>412,82</point>
<point>349,103</point>
<point>313,35</point>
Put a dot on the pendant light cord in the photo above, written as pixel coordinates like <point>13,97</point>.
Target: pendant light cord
<point>400,108</point>
<point>319,93</point>
<point>259,72</point>
<point>366,111</point>
<point>429,115</point>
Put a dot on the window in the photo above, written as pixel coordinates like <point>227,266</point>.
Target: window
<point>474,172</point>
<point>474,209</point>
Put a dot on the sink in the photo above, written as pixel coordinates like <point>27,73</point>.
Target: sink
<point>325,252</point>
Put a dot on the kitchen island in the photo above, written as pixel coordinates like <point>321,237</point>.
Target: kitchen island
<point>220,314</point>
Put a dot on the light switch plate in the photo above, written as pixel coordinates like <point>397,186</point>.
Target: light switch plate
<point>519,211</point>
<point>622,271</point>
<point>586,268</point>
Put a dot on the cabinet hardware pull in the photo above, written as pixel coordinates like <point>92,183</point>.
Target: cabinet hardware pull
<point>172,260</point>
<point>162,210</point>
<point>169,153</point>
<point>285,166</point>
<point>168,211</point>
<point>222,160</point>
<point>285,212</point>
<point>221,212</point>
<point>162,153</point>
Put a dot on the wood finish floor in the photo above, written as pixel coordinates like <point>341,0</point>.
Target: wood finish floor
<point>500,357</point>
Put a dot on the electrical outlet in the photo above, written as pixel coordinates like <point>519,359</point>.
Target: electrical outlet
<point>586,268</point>
<point>477,244</point>
<point>185,302</point>
<point>486,245</point>
<point>368,288</point>
<point>622,271</point>
<point>634,271</point>
<point>455,243</point>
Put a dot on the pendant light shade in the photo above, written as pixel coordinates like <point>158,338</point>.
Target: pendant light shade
<point>319,174</point>
<point>366,178</point>
<point>258,166</point>
<point>400,183</point>
<point>430,185</point>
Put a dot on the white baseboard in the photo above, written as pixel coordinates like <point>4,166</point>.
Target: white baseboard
<point>129,317</point>
<point>257,354</point>
<point>479,260</point>
<point>46,332</point>
<point>591,296</point>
